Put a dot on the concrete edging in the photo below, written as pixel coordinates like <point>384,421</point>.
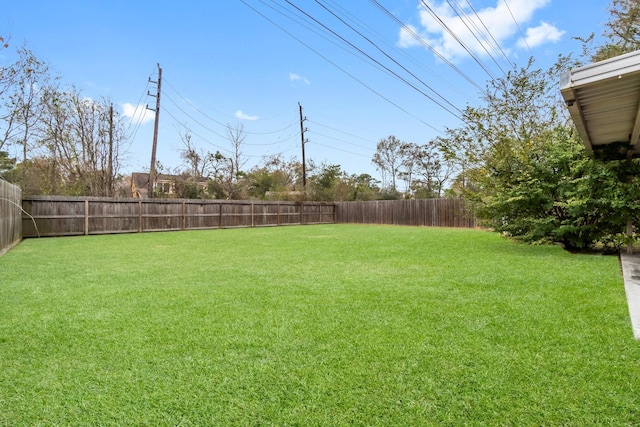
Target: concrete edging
<point>631,271</point>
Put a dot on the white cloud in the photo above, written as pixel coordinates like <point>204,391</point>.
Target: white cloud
<point>498,19</point>
<point>540,35</point>
<point>138,114</point>
<point>408,37</point>
<point>243,116</point>
<point>293,77</point>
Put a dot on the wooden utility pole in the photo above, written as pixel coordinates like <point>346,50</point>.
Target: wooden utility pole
<point>304,166</point>
<point>110,165</point>
<point>152,168</point>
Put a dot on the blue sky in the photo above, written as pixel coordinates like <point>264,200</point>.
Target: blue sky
<point>251,62</point>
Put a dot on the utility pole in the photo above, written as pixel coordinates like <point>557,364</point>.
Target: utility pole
<point>304,166</point>
<point>110,166</point>
<point>152,168</point>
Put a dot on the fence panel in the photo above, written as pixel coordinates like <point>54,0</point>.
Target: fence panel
<point>201,215</point>
<point>421,212</point>
<point>67,216</point>
<point>10,216</point>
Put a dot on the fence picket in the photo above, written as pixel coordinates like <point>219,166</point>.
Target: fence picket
<point>65,216</point>
<point>10,216</point>
<point>419,212</point>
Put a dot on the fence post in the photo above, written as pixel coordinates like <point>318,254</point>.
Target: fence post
<point>86,217</point>
<point>252,216</point>
<point>184,213</point>
<point>278,213</point>
<point>139,216</point>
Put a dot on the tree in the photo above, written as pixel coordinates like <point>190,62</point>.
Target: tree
<point>274,176</point>
<point>200,164</point>
<point>527,172</point>
<point>193,157</point>
<point>236,136</point>
<point>388,159</point>
<point>425,170</point>
<point>365,187</point>
<point>6,163</point>
<point>83,139</point>
<point>623,30</point>
<point>22,85</point>
<point>329,183</point>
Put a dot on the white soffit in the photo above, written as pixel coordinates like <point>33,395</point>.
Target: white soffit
<point>604,102</point>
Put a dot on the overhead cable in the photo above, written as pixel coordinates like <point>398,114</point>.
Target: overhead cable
<point>290,125</point>
<point>495,44</point>
<point>458,39</point>
<point>340,68</point>
<point>464,18</point>
<point>436,93</point>
<point>423,42</point>
<point>524,39</point>
<point>401,52</point>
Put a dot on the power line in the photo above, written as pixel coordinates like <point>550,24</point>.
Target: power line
<point>495,42</point>
<point>457,38</point>
<point>518,25</point>
<point>339,68</point>
<point>137,123</point>
<point>196,120</point>
<point>469,23</point>
<point>436,93</point>
<point>186,100</point>
<point>337,149</point>
<point>338,130</point>
<point>197,134</point>
<point>339,140</point>
<point>401,52</point>
<point>423,42</point>
<point>396,75</point>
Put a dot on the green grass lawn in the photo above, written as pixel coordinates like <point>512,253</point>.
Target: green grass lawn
<point>322,325</point>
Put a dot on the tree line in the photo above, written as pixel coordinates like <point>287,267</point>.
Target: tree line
<point>422,170</point>
<point>70,144</point>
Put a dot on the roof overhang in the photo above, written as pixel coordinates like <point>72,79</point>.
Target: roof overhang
<point>604,102</point>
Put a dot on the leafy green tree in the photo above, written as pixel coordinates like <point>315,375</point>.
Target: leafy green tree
<point>187,187</point>
<point>623,30</point>
<point>323,182</point>
<point>560,195</point>
<point>429,170</point>
<point>389,159</point>
<point>276,176</point>
<point>365,187</point>
<point>6,163</point>
<point>527,172</point>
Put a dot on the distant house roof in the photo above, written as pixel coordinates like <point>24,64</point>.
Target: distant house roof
<point>604,102</point>
<point>140,179</point>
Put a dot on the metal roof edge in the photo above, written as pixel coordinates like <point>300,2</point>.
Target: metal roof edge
<point>616,67</point>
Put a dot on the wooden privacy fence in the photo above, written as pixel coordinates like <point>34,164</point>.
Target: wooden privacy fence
<point>68,216</point>
<point>420,212</point>
<point>10,216</point>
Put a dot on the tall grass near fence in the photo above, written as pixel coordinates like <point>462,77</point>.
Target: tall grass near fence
<point>324,325</point>
<point>10,215</point>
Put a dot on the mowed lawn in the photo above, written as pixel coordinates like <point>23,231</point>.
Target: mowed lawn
<point>325,325</point>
